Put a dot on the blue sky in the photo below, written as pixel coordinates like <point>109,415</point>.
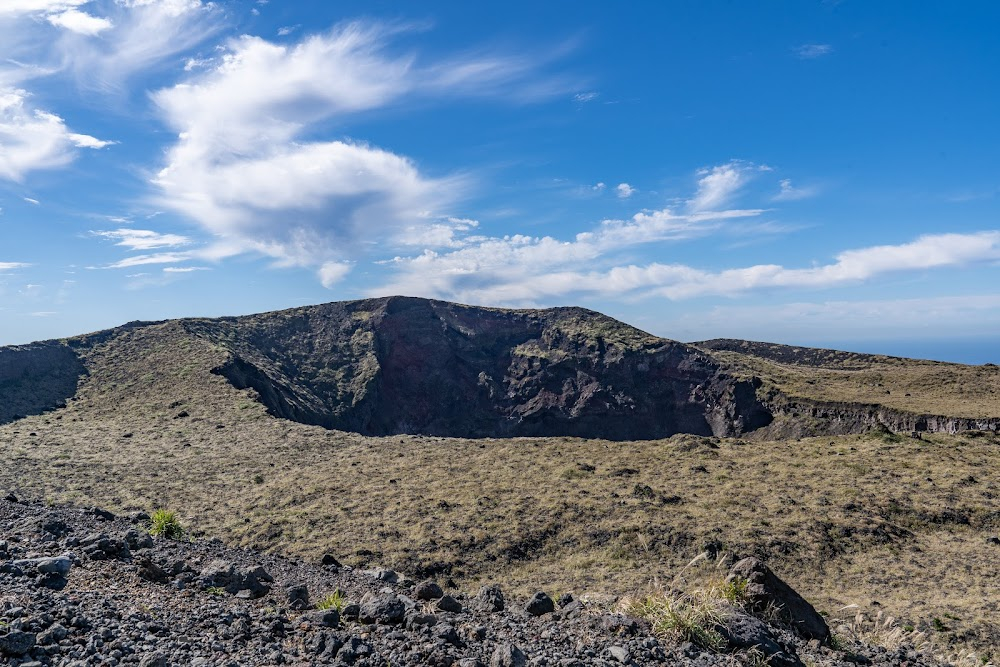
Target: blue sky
<point>820,173</point>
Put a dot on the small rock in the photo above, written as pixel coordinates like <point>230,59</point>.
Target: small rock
<point>385,609</point>
<point>153,660</point>
<point>298,596</point>
<point>508,655</point>
<point>540,604</point>
<point>326,618</point>
<point>490,598</point>
<point>59,565</point>
<point>449,604</point>
<point>428,590</point>
<point>993,540</point>
<point>330,561</point>
<point>565,599</point>
<point>53,635</point>
<point>102,515</point>
<point>388,576</point>
<point>17,643</point>
<point>620,654</point>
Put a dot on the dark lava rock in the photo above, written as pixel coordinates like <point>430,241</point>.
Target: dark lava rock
<point>540,604</point>
<point>327,618</point>
<point>385,609</point>
<point>764,588</point>
<point>428,590</point>
<point>449,604</point>
<point>742,631</point>
<point>16,643</point>
<point>297,596</point>
<point>508,655</point>
<point>490,598</point>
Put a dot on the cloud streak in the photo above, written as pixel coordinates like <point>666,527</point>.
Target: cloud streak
<point>142,239</point>
<point>521,270</point>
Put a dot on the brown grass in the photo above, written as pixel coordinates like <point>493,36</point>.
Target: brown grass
<point>846,520</point>
<point>923,387</point>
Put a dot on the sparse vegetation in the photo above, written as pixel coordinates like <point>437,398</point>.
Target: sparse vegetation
<point>164,523</point>
<point>335,600</point>
<point>680,617</point>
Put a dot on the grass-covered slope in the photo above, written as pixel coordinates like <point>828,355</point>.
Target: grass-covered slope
<point>865,391</point>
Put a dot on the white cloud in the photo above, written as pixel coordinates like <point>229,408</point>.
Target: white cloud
<point>449,233</point>
<point>520,269</point>
<point>789,192</point>
<point>583,98</point>
<point>332,273</point>
<point>32,139</point>
<point>624,190</point>
<point>184,269</point>
<point>523,270</point>
<point>155,258</point>
<point>598,187</point>
<point>103,46</point>
<point>15,7</point>
<point>12,266</point>
<point>718,185</point>
<point>87,141</point>
<point>80,22</point>
<point>143,239</point>
<point>34,202</point>
<point>244,168</point>
<point>810,51</point>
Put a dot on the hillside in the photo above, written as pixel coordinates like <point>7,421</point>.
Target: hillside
<point>814,391</point>
<point>160,417</point>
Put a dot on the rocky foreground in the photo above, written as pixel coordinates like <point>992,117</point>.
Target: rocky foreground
<point>84,587</point>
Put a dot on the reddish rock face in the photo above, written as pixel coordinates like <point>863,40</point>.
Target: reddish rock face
<point>405,365</point>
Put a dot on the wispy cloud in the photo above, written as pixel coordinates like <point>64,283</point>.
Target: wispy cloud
<point>523,270</point>
<point>789,192</point>
<point>624,190</point>
<point>143,239</point>
<point>718,185</point>
<point>12,266</point>
<point>810,51</point>
<point>155,258</point>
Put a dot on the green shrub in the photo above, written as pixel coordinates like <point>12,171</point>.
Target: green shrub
<point>735,591</point>
<point>336,600</point>
<point>164,523</point>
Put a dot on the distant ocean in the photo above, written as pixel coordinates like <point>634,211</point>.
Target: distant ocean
<point>970,351</point>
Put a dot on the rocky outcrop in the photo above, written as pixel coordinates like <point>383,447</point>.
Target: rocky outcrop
<point>809,417</point>
<point>165,602</point>
<point>405,365</point>
<point>36,378</point>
